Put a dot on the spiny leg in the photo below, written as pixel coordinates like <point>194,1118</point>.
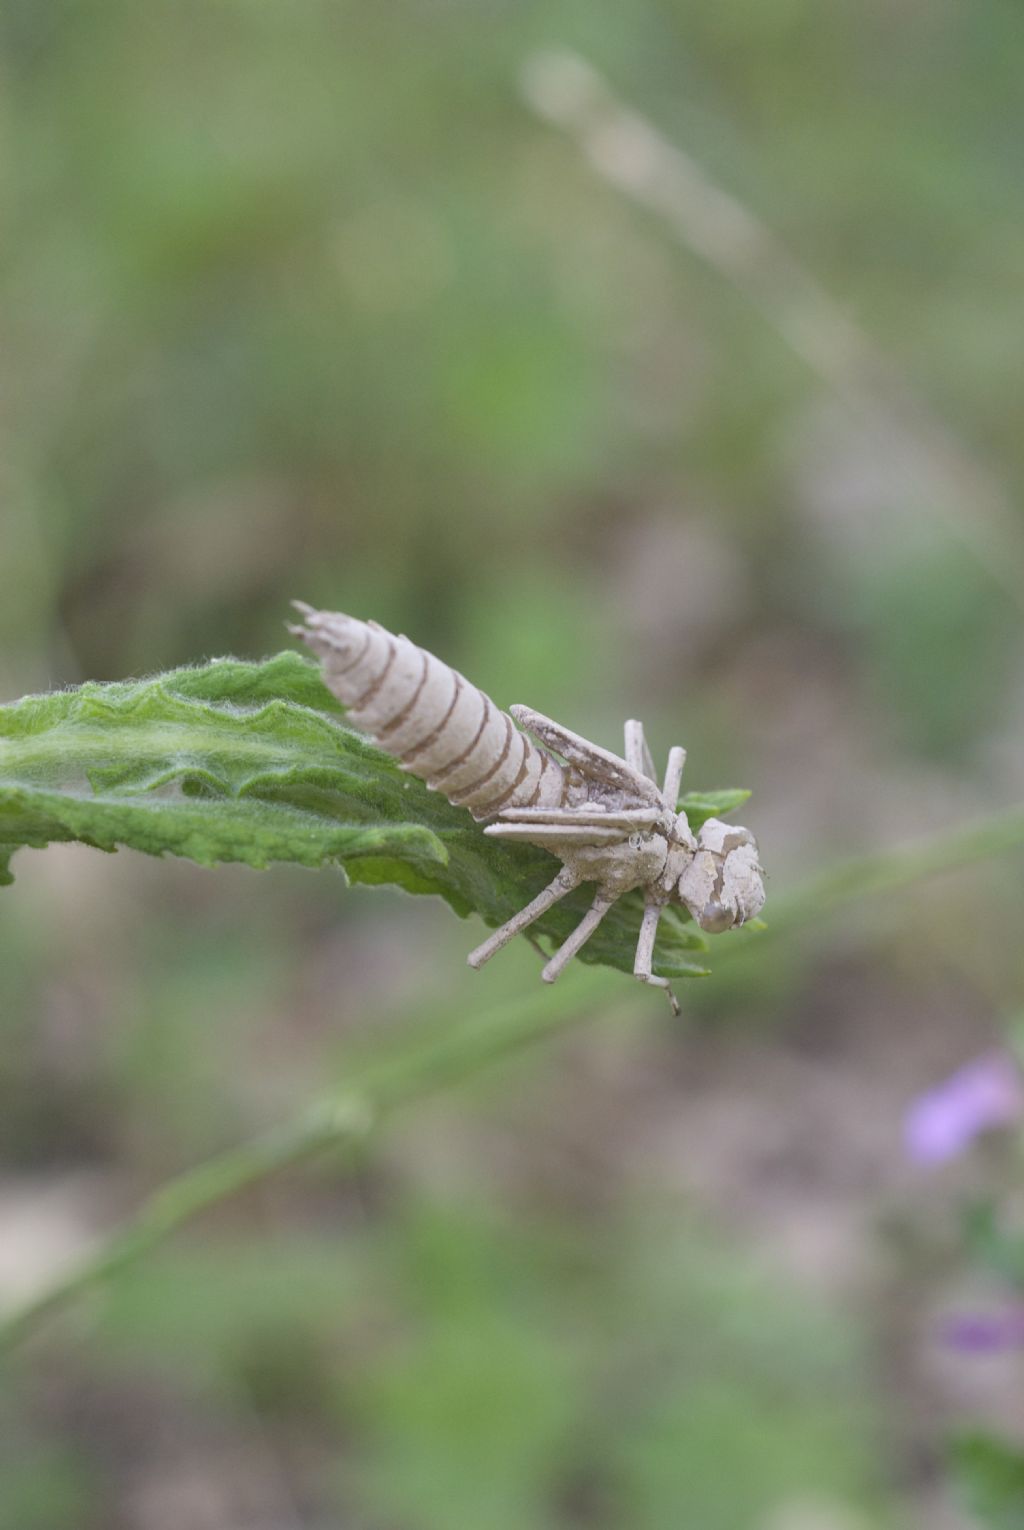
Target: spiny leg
<point>579,937</point>
<point>674,775</point>
<point>563,883</point>
<point>638,756</point>
<point>645,953</point>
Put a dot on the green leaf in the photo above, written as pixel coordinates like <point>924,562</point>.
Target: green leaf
<point>187,764</point>
<point>990,1476</point>
<point>700,806</point>
<point>233,761</point>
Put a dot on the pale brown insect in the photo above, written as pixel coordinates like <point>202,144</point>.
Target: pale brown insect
<point>604,817</point>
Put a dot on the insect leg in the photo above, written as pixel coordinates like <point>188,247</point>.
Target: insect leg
<point>645,952</point>
<point>638,756</point>
<point>624,818</point>
<point>579,937</point>
<point>563,883</point>
<point>673,775</point>
<point>546,835</point>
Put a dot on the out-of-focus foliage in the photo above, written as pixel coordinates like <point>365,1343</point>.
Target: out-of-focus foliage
<point>487,1373</point>
<point>300,298</point>
<point>995,1247</point>
<point>991,1476</point>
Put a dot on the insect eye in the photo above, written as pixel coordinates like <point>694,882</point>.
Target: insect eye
<point>635,841</point>
<point>716,918</point>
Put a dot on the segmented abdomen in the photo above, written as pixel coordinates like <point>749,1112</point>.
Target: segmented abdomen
<point>430,718</point>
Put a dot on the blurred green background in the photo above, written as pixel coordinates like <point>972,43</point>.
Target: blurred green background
<point>305,300</point>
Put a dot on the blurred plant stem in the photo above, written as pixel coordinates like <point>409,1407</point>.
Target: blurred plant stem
<point>340,1120</point>
<point>630,154</point>
<point>884,871</point>
<point>343,1120</point>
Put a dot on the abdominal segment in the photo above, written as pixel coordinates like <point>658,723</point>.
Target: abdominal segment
<point>429,717</point>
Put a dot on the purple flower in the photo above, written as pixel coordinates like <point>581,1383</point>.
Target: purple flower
<point>986,1334</point>
<point>986,1093</point>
